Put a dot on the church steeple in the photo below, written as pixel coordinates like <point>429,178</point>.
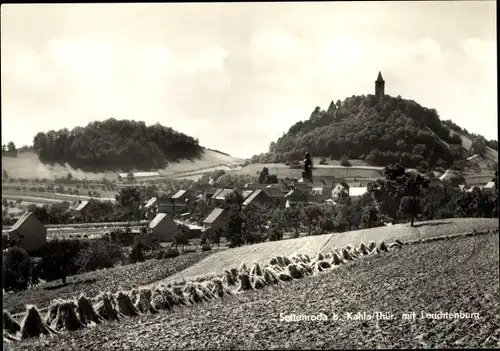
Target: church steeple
<point>379,86</point>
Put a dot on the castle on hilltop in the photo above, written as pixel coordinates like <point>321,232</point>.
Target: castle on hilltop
<point>379,86</point>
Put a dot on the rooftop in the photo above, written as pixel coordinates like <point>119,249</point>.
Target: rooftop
<point>212,217</point>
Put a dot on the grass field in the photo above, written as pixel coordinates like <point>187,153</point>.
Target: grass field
<point>91,283</point>
<point>27,165</point>
<point>358,169</point>
<point>311,245</point>
<point>456,275</point>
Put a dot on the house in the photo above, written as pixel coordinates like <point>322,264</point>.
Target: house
<point>246,193</point>
<point>322,193</point>
<point>259,197</point>
<point>208,193</point>
<point>254,186</point>
<point>220,195</point>
<point>355,192</point>
<point>183,196</point>
<point>305,187</point>
<point>163,227</point>
<point>451,178</point>
<point>295,197</point>
<point>81,206</point>
<point>165,204</point>
<point>194,231</point>
<point>489,188</point>
<point>217,219</point>
<point>28,232</point>
<point>150,204</point>
<point>277,195</point>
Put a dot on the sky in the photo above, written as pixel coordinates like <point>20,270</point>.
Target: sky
<point>238,75</point>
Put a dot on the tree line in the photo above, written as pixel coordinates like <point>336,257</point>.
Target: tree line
<point>115,145</point>
<point>379,131</point>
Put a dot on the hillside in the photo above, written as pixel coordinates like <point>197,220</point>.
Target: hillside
<point>379,131</point>
<point>28,165</point>
<point>111,146</point>
<point>450,276</point>
<point>312,245</point>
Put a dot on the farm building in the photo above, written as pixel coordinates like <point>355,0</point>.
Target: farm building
<point>142,175</point>
<point>295,197</point>
<point>194,230</point>
<point>489,188</point>
<point>165,204</point>
<point>217,219</point>
<point>163,227</point>
<point>277,195</point>
<point>220,195</point>
<point>450,177</point>
<point>304,187</point>
<point>246,193</point>
<point>81,209</point>
<point>355,192</point>
<point>258,197</point>
<point>150,204</point>
<point>81,206</point>
<point>208,193</point>
<point>322,193</point>
<point>29,232</point>
<point>183,196</point>
<point>254,186</point>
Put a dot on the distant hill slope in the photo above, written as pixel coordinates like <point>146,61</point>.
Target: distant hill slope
<point>112,145</point>
<point>28,165</point>
<point>379,131</point>
<point>109,147</point>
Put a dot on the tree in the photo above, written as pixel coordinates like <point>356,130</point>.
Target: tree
<point>130,177</point>
<point>370,217</point>
<point>16,269</point>
<point>11,147</point>
<point>311,215</point>
<point>292,217</point>
<point>181,236</point>
<point>263,174</point>
<point>235,198</point>
<point>409,188</point>
<point>254,217</point>
<point>235,226</point>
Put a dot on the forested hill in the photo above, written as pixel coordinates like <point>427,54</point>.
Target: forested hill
<point>380,131</point>
<point>116,145</point>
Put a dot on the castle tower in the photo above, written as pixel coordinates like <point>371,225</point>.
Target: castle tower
<point>379,85</point>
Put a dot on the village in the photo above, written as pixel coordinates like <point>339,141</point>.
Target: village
<point>164,214</point>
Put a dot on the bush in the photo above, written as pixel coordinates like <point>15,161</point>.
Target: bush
<point>137,254</point>
<point>98,255</point>
<point>171,252</point>
<point>275,234</point>
<point>188,250</point>
<point>168,253</point>
<point>16,269</point>
<point>206,247</point>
